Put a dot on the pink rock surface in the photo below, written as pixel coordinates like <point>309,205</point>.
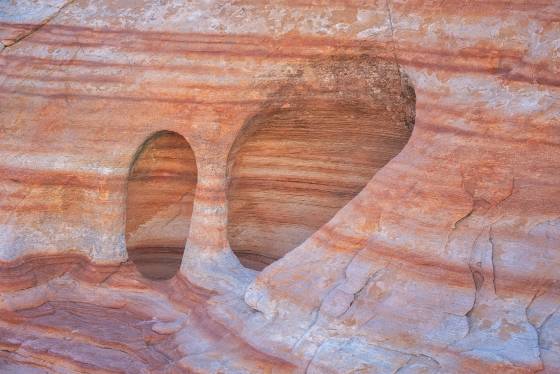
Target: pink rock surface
<point>446,261</point>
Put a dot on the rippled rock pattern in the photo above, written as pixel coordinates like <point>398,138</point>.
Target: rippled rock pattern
<point>387,171</point>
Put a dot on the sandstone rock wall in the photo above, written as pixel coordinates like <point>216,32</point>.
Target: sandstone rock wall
<point>446,261</point>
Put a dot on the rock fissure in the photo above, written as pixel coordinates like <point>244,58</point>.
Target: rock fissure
<point>35,28</point>
<point>492,257</point>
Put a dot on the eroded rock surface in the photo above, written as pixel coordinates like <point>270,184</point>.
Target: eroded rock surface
<point>446,261</point>
<point>303,157</point>
<point>159,201</point>
<point>112,319</point>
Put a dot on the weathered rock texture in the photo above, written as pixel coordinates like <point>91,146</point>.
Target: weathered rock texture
<point>446,261</point>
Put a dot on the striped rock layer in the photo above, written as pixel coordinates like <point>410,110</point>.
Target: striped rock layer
<point>270,187</point>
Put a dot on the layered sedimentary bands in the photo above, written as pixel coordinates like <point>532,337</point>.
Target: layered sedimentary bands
<point>159,201</point>
<point>264,187</point>
<point>301,159</point>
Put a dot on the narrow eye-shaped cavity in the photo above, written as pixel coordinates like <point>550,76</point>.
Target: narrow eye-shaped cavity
<point>160,193</point>
<point>294,166</point>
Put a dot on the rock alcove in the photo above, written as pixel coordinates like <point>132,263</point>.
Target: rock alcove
<point>160,193</point>
<point>300,160</point>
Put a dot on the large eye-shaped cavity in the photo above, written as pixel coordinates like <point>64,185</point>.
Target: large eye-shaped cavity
<point>294,166</point>
<point>160,193</point>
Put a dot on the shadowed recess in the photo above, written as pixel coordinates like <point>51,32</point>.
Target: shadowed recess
<point>160,193</point>
<point>310,151</point>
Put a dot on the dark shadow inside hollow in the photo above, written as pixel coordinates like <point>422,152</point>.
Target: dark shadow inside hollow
<point>309,152</point>
<point>160,193</point>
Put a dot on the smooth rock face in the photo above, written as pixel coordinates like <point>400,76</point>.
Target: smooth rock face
<point>446,261</point>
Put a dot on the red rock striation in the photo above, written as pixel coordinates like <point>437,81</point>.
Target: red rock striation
<point>159,201</point>
<point>446,260</point>
<point>111,319</point>
<point>310,150</point>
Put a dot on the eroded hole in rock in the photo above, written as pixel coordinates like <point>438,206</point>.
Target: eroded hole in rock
<point>307,154</point>
<point>160,193</point>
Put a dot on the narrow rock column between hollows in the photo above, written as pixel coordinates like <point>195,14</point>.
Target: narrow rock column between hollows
<point>208,260</point>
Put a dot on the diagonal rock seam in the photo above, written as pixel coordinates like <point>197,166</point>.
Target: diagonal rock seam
<point>36,27</point>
